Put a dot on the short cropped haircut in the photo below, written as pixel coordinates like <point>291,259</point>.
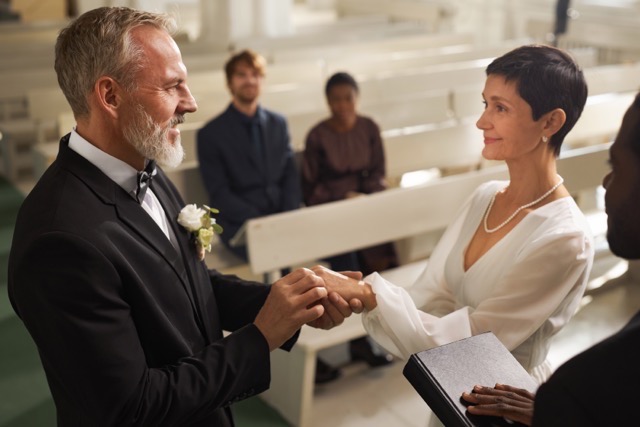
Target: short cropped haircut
<point>248,57</point>
<point>546,78</point>
<point>99,43</point>
<point>341,78</point>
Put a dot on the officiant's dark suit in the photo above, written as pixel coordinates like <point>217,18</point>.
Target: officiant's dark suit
<point>127,320</point>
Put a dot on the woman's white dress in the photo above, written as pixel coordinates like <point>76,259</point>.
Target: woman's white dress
<point>524,289</point>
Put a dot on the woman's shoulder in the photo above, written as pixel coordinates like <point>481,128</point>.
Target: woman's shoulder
<point>563,217</point>
<point>562,209</point>
<point>489,188</point>
<point>319,128</point>
<point>319,132</point>
<point>368,122</point>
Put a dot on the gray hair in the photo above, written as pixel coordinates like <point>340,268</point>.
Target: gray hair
<point>99,43</point>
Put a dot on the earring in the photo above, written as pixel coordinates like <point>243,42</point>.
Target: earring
<point>545,139</point>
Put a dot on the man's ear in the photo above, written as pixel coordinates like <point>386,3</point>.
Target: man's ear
<point>108,94</point>
<point>554,120</point>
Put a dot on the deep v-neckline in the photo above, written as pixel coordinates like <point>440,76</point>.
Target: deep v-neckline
<point>527,217</point>
<point>465,269</point>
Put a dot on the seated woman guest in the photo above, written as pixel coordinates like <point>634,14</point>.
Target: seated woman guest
<point>516,259</point>
<point>344,158</point>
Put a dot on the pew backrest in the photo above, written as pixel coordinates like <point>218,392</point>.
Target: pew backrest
<point>299,236</point>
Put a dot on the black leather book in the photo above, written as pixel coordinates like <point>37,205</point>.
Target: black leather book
<point>440,375</point>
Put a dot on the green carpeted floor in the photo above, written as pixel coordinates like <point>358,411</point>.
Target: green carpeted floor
<point>25,399</point>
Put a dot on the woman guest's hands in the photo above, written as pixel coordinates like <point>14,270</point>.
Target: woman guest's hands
<point>348,286</point>
<point>513,403</point>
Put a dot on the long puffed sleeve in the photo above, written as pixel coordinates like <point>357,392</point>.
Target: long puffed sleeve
<point>524,289</point>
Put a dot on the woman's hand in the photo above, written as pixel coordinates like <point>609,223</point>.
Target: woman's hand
<point>349,288</point>
<point>513,403</point>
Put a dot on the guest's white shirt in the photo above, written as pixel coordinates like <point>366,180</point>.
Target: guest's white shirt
<point>125,176</point>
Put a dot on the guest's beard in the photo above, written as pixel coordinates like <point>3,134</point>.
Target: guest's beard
<point>152,141</point>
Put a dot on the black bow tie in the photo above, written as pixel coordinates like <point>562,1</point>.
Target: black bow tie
<point>144,180</point>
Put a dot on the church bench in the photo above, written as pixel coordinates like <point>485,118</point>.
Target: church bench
<point>435,15</point>
<point>403,59</point>
<point>600,119</point>
<point>375,88</point>
<point>296,237</point>
<point>451,143</point>
<point>16,83</point>
<point>268,46</point>
<point>443,145</point>
<point>604,79</point>
<point>332,51</point>
<point>615,42</point>
<point>46,106</point>
<point>428,107</point>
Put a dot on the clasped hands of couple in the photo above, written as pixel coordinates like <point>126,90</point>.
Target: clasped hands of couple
<point>318,297</point>
<point>322,298</point>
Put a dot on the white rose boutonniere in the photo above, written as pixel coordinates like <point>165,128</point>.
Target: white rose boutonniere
<point>199,223</point>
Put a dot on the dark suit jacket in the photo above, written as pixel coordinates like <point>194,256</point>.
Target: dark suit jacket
<point>129,329</point>
<point>597,387</point>
<point>239,184</point>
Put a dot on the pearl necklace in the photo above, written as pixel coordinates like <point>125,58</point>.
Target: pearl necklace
<point>513,215</point>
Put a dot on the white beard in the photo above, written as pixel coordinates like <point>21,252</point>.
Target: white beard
<point>152,141</point>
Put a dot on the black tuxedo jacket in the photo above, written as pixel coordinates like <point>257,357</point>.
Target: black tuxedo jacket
<point>597,387</point>
<point>239,183</point>
<point>128,328</point>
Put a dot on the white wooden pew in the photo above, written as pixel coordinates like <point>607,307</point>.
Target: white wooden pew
<point>444,144</point>
<point>616,41</point>
<point>332,51</point>
<point>269,46</point>
<point>431,146</point>
<point>600,119</point>
<point>450,143</point>
<point>296,237</point>
<point>434,14</point>
<point>403,59</point>
<point>428,107</point>
<point>623,77</point>
<point>46,105</point>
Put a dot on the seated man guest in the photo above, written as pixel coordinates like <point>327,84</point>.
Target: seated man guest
<point>247,163</point>
<point>245,157</point>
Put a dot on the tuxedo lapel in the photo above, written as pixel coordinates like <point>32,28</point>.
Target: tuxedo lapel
<point>188,256</point>
<point>133,216</point>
